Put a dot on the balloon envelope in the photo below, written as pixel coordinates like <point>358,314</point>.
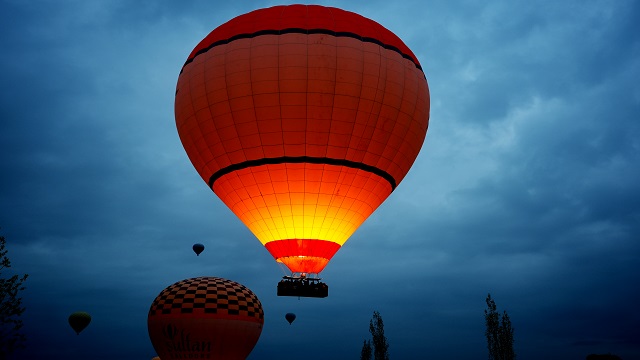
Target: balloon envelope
<point>290,317</point>
<point>205,318</point>
<point>79,321</point>
<point>302,119</point>
<point>198,248</point>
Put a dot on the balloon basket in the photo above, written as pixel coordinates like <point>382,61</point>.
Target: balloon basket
<point>302,287</point>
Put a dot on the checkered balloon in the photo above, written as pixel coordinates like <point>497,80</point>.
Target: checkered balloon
<point>205,318</point>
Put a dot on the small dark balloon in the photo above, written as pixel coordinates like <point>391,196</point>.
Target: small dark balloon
<point>198,248</point>
<point>290,317</point>
<point>79,321</point>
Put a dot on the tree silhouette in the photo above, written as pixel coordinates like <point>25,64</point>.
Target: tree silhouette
<point>380,345</point>
<point>499,333</point>
<point>10,307</point>
<point>365,354</point>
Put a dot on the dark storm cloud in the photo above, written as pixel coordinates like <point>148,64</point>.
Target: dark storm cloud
<point>71,122</point>
<point>545,212</point>
<point>526,186</point>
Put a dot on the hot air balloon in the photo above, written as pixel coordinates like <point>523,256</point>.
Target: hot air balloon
<point>198,248</point>
<point>302,119</point>
<point>290,317</point>
<point>205,318</point>
<point>79,321</point>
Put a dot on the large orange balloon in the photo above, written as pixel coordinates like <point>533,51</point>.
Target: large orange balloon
<point>302,119</point>
<point>205,318</point>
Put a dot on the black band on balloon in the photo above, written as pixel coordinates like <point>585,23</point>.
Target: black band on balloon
<point>308,32</point>
<point>300,160</point>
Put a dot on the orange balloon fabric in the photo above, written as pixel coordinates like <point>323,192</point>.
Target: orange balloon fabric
<point>205,318</point>
<point>302,119</point>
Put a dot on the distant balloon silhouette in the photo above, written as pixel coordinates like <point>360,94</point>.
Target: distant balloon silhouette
<point>290,317</point>
<point>79,321</point>
<point>198,248</point>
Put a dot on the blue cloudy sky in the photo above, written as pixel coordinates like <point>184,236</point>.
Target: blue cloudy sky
<point>527,185</point>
